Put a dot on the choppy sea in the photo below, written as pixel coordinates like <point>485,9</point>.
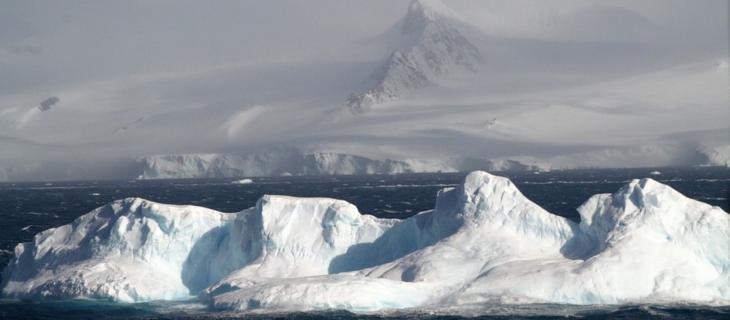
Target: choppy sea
<point>30,207</point>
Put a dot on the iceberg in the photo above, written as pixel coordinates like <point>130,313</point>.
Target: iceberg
<point>129,250</point>
<point>483,243</point>
<point>242,181</point>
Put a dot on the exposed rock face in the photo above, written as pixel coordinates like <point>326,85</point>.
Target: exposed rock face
<point>430,46</point>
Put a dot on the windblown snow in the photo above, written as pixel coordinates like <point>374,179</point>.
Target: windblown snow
<point>484,242</point>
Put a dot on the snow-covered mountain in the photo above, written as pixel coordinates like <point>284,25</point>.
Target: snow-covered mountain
<point>480,85</point>
<point>484,242</point>
<point>427,45</point>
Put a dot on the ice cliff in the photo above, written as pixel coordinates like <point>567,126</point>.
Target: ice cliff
<point>275,163</point>
<point>484,242</point>
<point>295,161</point>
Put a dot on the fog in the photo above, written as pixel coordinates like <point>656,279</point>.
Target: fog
<point>86,87</point>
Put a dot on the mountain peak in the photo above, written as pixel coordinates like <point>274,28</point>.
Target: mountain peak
<point>428,47</point>
<point>431,10</point>
<point>422,13</point>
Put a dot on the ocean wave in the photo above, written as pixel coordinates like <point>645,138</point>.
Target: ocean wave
<point>395,186</point>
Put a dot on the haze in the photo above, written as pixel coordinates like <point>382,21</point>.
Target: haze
<point>88,88</point>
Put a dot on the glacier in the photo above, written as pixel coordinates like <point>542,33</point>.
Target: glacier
<point>276,162</point>
<point>483,243</point>
<point>302,162</point>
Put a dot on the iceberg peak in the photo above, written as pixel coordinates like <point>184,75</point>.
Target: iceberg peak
<point>492,202</point>
<point>647,191</point>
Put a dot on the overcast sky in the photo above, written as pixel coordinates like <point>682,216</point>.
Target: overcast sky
<point>46,42</point>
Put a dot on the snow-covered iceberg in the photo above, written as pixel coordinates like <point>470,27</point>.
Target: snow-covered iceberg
<point>129,250</point>
<point>484,242</point>
<point>242,181</point>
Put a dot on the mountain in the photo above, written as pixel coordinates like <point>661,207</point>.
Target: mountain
<point>484,242</point>
<point>428,45</point>
<point>476,87</point>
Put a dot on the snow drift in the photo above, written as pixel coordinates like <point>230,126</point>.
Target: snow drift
<point>484,242</point>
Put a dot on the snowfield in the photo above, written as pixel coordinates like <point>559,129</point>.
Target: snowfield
<point>484,242</point>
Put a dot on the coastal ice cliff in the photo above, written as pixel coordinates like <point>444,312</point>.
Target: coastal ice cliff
<point>275,163</point>
<point>484,242</point>
<point>295,161</point>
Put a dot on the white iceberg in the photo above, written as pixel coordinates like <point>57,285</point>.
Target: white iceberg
<point>129,250</point>
<point>242,181</point>
<point>483,243</point>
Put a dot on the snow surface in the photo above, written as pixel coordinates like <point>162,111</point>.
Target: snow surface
<point>484,242</point>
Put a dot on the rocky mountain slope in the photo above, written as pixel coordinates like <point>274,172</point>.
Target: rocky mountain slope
<point>428,45</point>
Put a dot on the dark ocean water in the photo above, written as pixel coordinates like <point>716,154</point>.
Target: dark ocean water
<point>27,208</point>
